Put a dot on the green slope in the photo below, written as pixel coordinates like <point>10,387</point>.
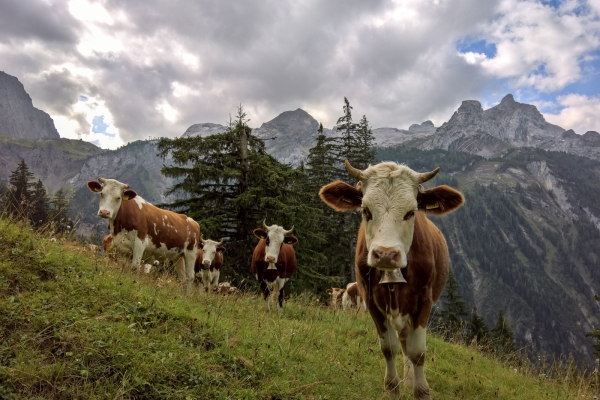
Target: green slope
<point>73,326</point>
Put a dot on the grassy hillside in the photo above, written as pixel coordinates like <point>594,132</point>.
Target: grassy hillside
<point>74,326</point>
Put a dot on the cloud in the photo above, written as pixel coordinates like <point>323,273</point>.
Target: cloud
<point>580,113</point>
<point>154,68</point>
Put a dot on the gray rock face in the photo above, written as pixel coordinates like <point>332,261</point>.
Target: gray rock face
<point>18,117</point>
<point>390,137</point>
<point>205,129</point>
<point>509,124</point>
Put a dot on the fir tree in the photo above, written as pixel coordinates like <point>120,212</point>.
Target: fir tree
<point>365,141</point>
<point>454,308</point>
<point>61,212</point>
<point>40,204</point>
<point>478,329</point>
<point>502,336</point>
<point>19,195</point>
<point>230,184</point>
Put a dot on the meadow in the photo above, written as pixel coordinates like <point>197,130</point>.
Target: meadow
<point>74,325</point>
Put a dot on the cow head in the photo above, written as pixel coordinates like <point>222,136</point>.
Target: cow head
<point>336,296</point>
<point>209,249</point>
<point>112,193</point>
<point>389,195</point>
<point>275,237</point>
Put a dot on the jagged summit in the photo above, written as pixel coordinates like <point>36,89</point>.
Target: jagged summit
<point>18,117</point>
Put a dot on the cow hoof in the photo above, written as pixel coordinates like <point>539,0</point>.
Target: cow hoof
<point>392,386</point>
<point>421,392</point>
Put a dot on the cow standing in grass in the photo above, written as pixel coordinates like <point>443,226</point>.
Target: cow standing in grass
<point>395,235</point>
<point>273,261</point>
<point>352,298</point>
<point>140,227</point>
<point>336,297</point>
<point>209,262</point>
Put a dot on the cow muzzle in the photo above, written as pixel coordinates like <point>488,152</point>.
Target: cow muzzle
<point>206,264</point>
<point>104,214</point>
<point>386,257</point>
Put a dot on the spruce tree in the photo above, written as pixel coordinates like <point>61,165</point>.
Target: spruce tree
<point>40,204</point>
<point>478,329</point>
<point>503,338</point>
<point>366,142</point>
<point>454,308</point>
<point>230,184</point>
<point>60,213</point>
<point>19,194</point>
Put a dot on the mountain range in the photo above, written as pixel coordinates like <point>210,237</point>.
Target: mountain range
<point>525,242</point>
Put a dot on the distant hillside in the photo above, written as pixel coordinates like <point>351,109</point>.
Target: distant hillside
<point>18,117</point>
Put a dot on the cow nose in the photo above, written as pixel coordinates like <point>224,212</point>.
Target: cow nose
<point>390,254</point>
<point>270,259</point>
<point>206,262</point>
<point>103,214</point>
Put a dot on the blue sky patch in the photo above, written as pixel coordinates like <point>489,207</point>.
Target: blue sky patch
<point>83,98</point>
<point>481,46</point>
<point>98,125</point>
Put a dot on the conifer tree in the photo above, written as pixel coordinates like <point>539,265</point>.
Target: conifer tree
<point>61,212</point>
<point>502,336</point>
<point>19,194</point>
<point>478,329</point>
<point>40,204</point>
<point>454,308</point>
<point>365,141</point>
<point>230,184</point>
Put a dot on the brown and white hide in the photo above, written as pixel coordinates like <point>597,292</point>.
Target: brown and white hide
<point>142,228</point>
<point>395,235</point>
<point>225,288</point>
<point>273,261</point>
<point>351,297</point>
<point>336,297</point>
<point>209,262</point>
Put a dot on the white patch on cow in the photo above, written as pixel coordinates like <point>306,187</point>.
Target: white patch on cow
<point>147,268</point>
<point>416,348</point>
<point>210,279</point>
<point>256,276</point>
<point>389,193</point>
<point>139,201</point>
<point>389,347</point>
<point>276,235</point>
<point>155,230</point>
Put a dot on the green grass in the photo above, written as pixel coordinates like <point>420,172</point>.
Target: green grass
<point>74,326</point>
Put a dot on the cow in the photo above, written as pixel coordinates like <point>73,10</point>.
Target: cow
<point>336,297</point>
<point>273,261</point>
<point>209,262</point>
<point>225,288</point>
<point>396,241</point>
<point>142,228</point>
<point>351,297</point>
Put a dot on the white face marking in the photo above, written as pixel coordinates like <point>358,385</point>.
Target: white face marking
<point>336,296</point>
<point>389,203</point>
<point>111,197</point>
<point>276,234</point>
<point>209,251</point>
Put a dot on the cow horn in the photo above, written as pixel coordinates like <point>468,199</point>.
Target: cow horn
<point>290,231</point>
<point>265,225</point>
<point>220,243</point>
<point>127,186</point>
<point>354,172</point>
<point>101,180</point>
<point>202,239</point>
<point>425,176</point>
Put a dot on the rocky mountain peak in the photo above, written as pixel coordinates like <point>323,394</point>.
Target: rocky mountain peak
<point>18,117</point>
<point>426,126</point>
<point>508,100</point>
<point>292,123</point>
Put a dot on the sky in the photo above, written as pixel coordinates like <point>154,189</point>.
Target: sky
<point>111,72</point>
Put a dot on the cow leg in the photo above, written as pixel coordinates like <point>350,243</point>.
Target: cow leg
<point>265,290</point>
<point>215,280</point>
<point>206,280</point>
<point>280,299</point>
<point>416,351</point>
<point>138,253</point>
<point>190,260</point>
<point>409,373</point>
<point>388,342</point>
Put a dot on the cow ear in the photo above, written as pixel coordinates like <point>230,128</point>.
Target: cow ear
<point>94,186</point>
<point>439,200</point>
<point>221,249</point>
<point>129,194</point>
<point>290,240</point>
<point>330,291</point>
<point>341,197</point>
<point>261,234</point>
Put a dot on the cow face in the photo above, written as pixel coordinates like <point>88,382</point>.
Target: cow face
<point>389,196</point>
<point>275,237</point>
<point>209,249</point>
<point>336,296</point>
<point>112,193</point>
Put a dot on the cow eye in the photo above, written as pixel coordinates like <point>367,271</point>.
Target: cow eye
<point>367,213</point>
<point>268,241</point>
<point>409,215</point>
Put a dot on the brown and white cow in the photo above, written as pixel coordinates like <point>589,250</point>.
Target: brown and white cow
<point>395,235</point>
<point>140,227</point>
<point>273,261</point>
<point>209,262</point>
<point>336,297</point>
<point>352,298</point>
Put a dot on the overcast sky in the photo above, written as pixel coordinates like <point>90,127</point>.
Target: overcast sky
<point>112,72</point>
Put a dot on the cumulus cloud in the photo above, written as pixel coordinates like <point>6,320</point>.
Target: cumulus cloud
<point>579,113</point>
<point>154,68</point>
